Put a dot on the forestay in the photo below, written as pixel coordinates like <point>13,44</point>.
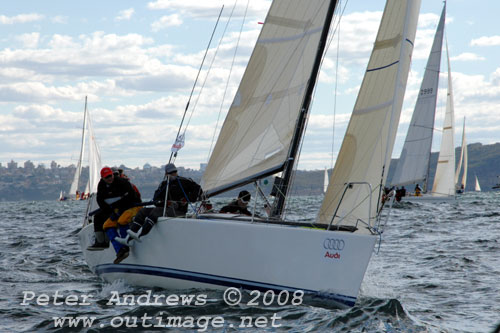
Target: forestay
<point>367,147</point>
<point>256,136</point>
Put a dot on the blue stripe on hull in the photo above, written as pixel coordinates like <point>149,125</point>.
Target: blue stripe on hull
<point>215,280</point>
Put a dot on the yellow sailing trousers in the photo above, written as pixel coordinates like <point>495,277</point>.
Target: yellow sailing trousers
<point>124,219</point>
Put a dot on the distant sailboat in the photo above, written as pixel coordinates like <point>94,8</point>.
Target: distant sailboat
<point>62,197</point>
<point>477,188</point>
<point>325,181</point>
<point>463,159</point>
<point>414,162</point>
<point>73,191</point>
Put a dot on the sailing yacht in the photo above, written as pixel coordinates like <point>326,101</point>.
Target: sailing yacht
<point>477,188</point>
<point>414,162</point>
<point>463,161</point>
<point>62,196</point>
<point>74,193</point>
<point>261,136</point>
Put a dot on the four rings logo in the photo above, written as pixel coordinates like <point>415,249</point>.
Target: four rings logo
<point>333,246</point>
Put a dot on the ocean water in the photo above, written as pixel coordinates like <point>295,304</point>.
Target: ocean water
<point>437,270</point>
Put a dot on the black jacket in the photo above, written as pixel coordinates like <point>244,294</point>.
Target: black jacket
<point>180,191</point>
<point>234,208</point>
<point>120,187</point>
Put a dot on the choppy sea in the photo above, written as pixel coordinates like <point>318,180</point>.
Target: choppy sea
<point>437,270</point>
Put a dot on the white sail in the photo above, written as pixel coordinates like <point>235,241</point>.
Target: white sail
<point>477,188</point>
<point>466,162</point>
<point>76,179</point>
<point>94,157</point>
<point>444,181</point>
<point>413,165</point>
<point>367,147</point>
<point>325,181</point>
<point>463,159</point>
<point>257,133</point>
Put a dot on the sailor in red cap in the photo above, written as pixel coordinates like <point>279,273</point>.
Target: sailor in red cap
<point>115,195</point>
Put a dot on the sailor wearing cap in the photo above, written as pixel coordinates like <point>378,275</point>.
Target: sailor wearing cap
<point>238,206</point>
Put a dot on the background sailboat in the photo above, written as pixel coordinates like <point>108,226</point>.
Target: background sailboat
<point>444,180</point>
<point>462,161</point>
<point>414,162</point>
<point>94,158</point>
<point>261,136</point>
<point>477,188</point>
<point>76,179</point>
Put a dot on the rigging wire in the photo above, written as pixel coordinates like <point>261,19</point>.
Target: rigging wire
<point>228,79</point>
<point>335,93</point>
<point>210,67</point>
<point>194,85</point>
<point>329,41</point>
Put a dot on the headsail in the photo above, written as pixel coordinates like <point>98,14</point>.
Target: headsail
<point>444,181</point>
<point>413,164</point>
<point>367,147</point>
<point>256,136</point>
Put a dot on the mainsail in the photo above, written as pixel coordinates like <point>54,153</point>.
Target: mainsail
<point>413,164</point>
<point>256,137</point>
<point>444,181</point>
<point>367,147</point>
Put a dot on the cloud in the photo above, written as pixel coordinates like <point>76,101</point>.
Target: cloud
<point>29,40</point>
<point>60,19</point>
<point>125,14</point>
<point>486,41</point>
<point>165,22</point>
<point>22,18</point>
<point>467,56</point>
<point>211,8</point>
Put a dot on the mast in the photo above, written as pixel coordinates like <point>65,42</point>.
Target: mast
<point>279,204</point>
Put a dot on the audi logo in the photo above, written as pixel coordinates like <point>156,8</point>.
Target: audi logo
<point>334,244</point>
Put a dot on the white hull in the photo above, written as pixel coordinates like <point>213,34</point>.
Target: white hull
<point>215,253</point>
<point>429,198</point>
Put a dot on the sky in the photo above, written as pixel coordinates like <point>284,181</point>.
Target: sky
<point>137,61</point>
